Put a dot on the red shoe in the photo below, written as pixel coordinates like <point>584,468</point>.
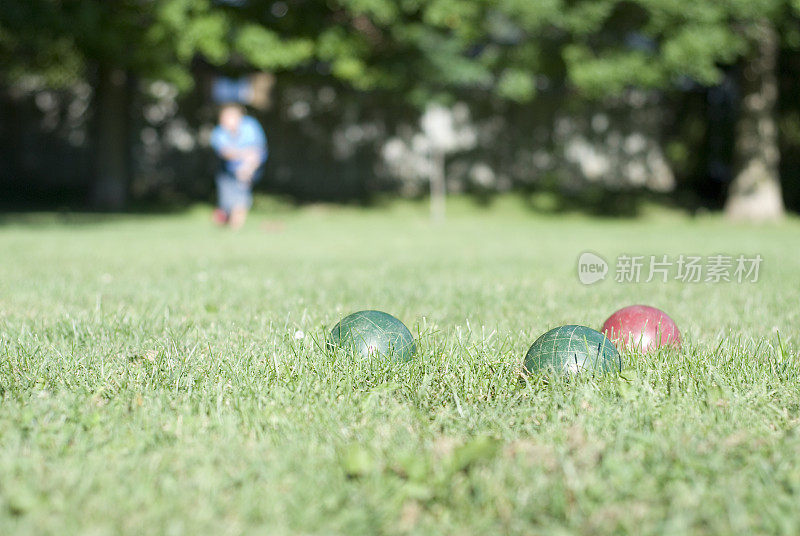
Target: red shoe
<point>220,217</point>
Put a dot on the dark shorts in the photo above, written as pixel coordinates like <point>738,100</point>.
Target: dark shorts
<point>233,193</point>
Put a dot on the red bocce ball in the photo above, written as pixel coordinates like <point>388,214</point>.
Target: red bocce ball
<point>642,327</point>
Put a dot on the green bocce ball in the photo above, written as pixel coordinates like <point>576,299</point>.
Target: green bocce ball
<point>374,333</point>
<point>570,350</point>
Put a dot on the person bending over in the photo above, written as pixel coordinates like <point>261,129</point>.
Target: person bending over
<point>241,144</point>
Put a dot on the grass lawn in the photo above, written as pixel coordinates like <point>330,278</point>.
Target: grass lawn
<point>159,375</point>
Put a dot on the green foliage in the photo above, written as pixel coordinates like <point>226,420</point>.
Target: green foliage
<point>205,34</point>
<point>409,47</point>
<point>695,51</point>
<point>26,50</point>
<point>459,16</point>
<point>587,18</point>
<point>609,45</point>
<point>516,84</point>
<point>345,52</point>
<point>448,65</point>
<point>380,11</point>
<point>612,72</point>
<point>265,49</point>
<point>531,16</point>
<point>678,39</point>
<point>159,39</point>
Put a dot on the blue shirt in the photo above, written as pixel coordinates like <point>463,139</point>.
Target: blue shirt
<point>249,135</point>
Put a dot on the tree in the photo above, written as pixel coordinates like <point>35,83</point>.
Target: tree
<point>368,44</point>
<point>599,47</point>
<point>662,43</point>
<point>756,193</point>
<point>603,47</point>
<point>422,51</point>
<point>111,43</point>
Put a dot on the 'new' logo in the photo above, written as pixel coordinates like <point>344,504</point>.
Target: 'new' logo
<point>591,268</point>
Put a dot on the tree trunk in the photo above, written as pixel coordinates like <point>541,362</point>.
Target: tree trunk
<point>111,129</point>
<point>755,193</point>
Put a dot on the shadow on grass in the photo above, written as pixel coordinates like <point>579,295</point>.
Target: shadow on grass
<point>72,210</point>
<point>596,202</point>
<point>606,203</point>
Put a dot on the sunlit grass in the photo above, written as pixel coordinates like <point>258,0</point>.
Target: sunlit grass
<point>159,375</point>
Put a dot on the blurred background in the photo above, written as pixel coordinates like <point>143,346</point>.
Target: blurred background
<point>592,106</point>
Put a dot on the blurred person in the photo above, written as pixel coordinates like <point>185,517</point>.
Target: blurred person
<point>241,144</point>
